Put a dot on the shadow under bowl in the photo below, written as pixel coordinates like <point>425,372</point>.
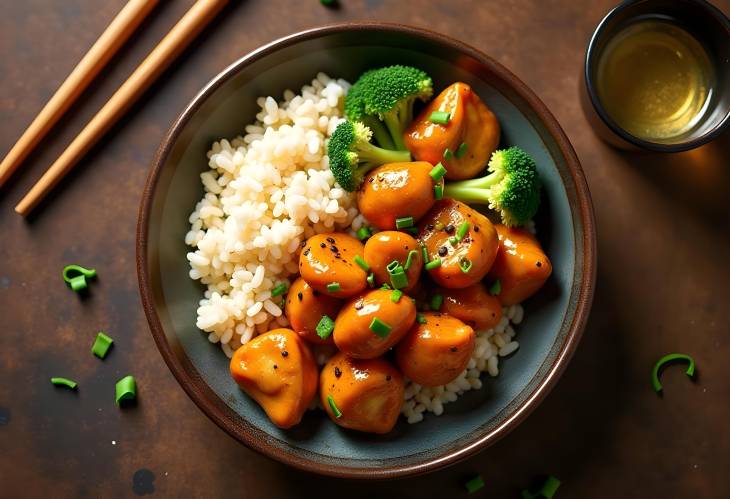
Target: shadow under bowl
<point>554,319</point>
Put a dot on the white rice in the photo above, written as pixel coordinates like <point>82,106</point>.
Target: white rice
<point>490,346</point>
<point>265,193</point>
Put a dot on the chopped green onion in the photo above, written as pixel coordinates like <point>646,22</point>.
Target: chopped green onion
<point>279,289</point>
<point>448,154</point>
<point>126,389</point>
<point>371,280</point>
<point>380,328</point>
<point>495,288</point>
<point>76,276</point>
<point>439,225</point>
<point>436,302</point>
<point>325,326</point>
<point>333,287</point>
<point>409,260</point>
<point>453,240</point>
<point>398,278</point>
<point>385,286</point>
<point>437,172</point>
<point>392,266</point>
<point>440,117</point>
<point>465,264</point>
<point>474,484</point>
<point>433,264</point>
<point>672,357</point>
<point>363,233</point>
<point>438,192</point>
<point>462,230</point>
<point>101,346</point>
<point>547,490</point>
<point>362,263</point>
<point>421,319</point>
<point>403,222</point>
<point>68,383</point>
<point>335,410</point>
<point>424,254</point>
<point>396,295</point>
<point>461,150</point>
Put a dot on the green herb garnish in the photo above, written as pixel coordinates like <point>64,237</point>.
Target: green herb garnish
<point>126,389</point>
<point>77,276</point>
<point>436,302</point>
<point>403,222</point>
<point>461,150</point>
<point>433,264</point>
<point>333,287</point>
<point>438,192</point>
<point>279,289</point>
<point>672,357</point>
<point>495,288</point>
<point>437,172</point>
<point>101,345</point>
<point>68,383</point>
<point>380,328</point>
<point>335,410</point>
<point>474,484</point>
<point>362,263</point>
<point>396,295</point>
<point>440,117</point>
<point>409,259</point>
<point>325,326</point>
<point>363,233</point>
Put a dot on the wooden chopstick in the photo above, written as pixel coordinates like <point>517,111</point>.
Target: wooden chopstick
<point>194,20</point>
<point>120,29</point>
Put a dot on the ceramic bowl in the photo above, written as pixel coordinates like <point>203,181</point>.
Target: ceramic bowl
<point>554,318</point>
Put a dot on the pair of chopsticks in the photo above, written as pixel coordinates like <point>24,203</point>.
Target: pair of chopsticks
<point>128,19</point>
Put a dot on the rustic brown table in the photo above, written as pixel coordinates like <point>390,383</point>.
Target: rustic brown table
<point>664,251</point>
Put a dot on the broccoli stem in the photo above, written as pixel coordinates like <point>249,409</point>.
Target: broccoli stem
<point>393,123</point>
<point>473,190</point>
<point>370,153</point>
<point>380,133</point>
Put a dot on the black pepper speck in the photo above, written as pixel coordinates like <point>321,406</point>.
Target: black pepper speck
<point>454,349</point>
<point>276,367</point>
<point>300,296</point>
<point>449,229</point>
<point>476,228</point>
<point>539,264</point>
<point>285,354</point>
<point>443,250</point>
<point>322,245</point>
<point>388,378</point>
<point>330,240</point>
<point>429,227</point>
<point>338,373</point>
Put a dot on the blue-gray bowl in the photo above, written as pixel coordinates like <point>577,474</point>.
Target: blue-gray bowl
<point>554,318</point>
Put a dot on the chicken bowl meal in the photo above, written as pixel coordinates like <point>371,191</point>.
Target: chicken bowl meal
<point>365,251</point>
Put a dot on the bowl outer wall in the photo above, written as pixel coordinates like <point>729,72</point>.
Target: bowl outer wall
<point>285,446</point>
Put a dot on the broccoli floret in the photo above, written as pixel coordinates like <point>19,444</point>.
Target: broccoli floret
<point>352,155</point>
<point>512,188</point>
<point>383,100</point>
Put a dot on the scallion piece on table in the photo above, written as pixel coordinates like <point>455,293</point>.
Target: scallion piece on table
<point>325,326</point>
<point>126,389</point>
<point>438,192</point>
<point>546,491</point>
<point>448,154</point>
<point>465,265</point>
<point>421,319</point>
<point>409,259</point>
<point>362,263</point>
<point>363,233</point>
<point>436,302</point>
<point>462,230</point>
<point>670,358</point>
<point>279,289</point>
<point>396,295</point>
<point>461,150</point>
<point>403,222</point>
<point>68,383</point>
<point>495,288</point>
<point>433,264</point>
<point>440,117</point>
<point>101,345</point>
<point>474,484</point>
<point>76,276</point>
<point>371,280</point>
<point>333,287</point>
<point>335,410</point>
<point>437,172</point>
<point>380,328</point>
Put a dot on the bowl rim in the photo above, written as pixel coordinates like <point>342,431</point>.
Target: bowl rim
<point>211,404</point>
